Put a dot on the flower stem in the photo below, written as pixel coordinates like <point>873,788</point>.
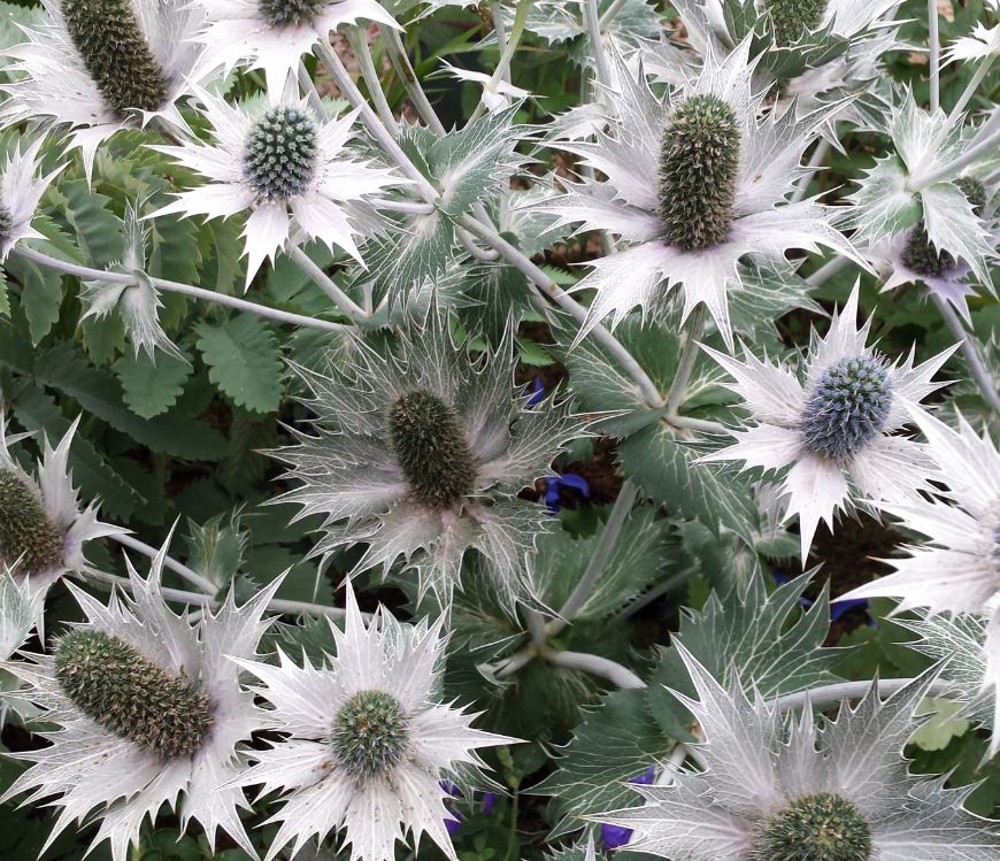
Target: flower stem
<point>834,693</point>
<point>815,161</point>
<point>614,672</point>
<point>980,374</point>
<point>987,145</point>
<point>934,40</point>
<point>184,289</point>
<point>971,88</point>
<point>189,574</point>
<point>344,303</point>
<point>404,68</point>
<point>595,567</point>
<point>610,13</point>
<point>827,270</point>
<point>685,367</point>
<point>359,43</point>
<point>596,42</point>
<point>520,19</point>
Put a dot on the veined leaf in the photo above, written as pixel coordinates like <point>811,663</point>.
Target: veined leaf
<point>883,205</point>
<point>151,387</point>
<point>41,294</point>
<point>244,361</point>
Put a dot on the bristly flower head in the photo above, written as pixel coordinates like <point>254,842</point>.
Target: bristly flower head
<point>841,425</point>
<point>42,530</point>
<point>421,456</point>
<point>20,191</point>
<point>99,65</point>
<point>285,165</point>
<point>150,712</point>
<point>722,176</point>
<point>370,749</point>
<point>273,35</point>
<point>958,571</point>
<point>777,789</point>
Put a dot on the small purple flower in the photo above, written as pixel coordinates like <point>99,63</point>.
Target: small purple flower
<point>837,608</point>
<point>452,825</point>
<point>537,393</point>
<point>553,484</point>
<point>614,836</point>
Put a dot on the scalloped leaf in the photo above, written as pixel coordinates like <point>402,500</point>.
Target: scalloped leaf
<point>244,361</point>
<point>151,387</point>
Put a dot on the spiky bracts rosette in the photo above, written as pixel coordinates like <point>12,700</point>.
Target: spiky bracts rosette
<point>420,455</point>
<point>149,711</point>
<point>696,181</point>
<point>100,65</point>
<point>289,169</point>
<point>773,787</point>
<point>371,749</point>
<point>20,190</point>
<point>837,432</point>
<point>42,529</point>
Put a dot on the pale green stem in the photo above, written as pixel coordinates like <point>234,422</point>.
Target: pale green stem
<point>838,691</point>
<point>359,42</point>
<point>646,388</point>
<point>404,68</point>
<point>496,12</point>
<point>312,94</point>
<point>702,425</point>
<point>610,13</point>
<point>649,597</point>
<point>621,677</point>
<point>689,356</point>
<point>827,270</point>
<point>90,274</point>
<point>973,85</point>
<point>596,42</point>
<point>980,374</point>
<point>344,303</point>
<point>815,161</point>
<point>985,147</point>
<point>510,666</point>
<point>934,39</point>
<point>486,256</point>
<point>520,18</point>
<point>535,623</point>
<point>595,566</point>
<point>189,574</point>
<point>407,207</point>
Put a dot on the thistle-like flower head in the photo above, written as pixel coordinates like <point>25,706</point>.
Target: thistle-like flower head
<point>722,174</point>
<point>836,432</point>
<point>273,35</point>
<point>99,65</point>
<point>784,789</point>
<point>287,167</point>
<point>421,455</point>
<point>371,750</point>
<point>150,712</point>
<point>42,529</point>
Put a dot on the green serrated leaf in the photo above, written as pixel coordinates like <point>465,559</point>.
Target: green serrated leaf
<point>151,387</point>
<point>98,230</point>
<point>883,205</point>
<point>41,295</point>
<point>244,361</point>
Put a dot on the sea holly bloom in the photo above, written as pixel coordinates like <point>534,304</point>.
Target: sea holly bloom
<point>149,711</point>
<point>836,433</point>
<point>371,749</point>
<point>42,529</point>
<point>787,790</point>
<point>421,455</point>
<point>20,191</point>
<point>958,570</point>
<point>100,65</point>
<point>274,35</point>
<point>695,183</point>
<point>288,167</point>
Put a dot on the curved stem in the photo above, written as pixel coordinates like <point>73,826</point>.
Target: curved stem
<point>614,672</point>
<point>359,43</point>
<point>189,574</point>
<point>934,43</point>
<point>980,374</point>
<point>834,693</point>
<point>685,367</point>
<point>404,68</point>
<point>268,313</point>
<point>595,567</point>
<point>325,283</point>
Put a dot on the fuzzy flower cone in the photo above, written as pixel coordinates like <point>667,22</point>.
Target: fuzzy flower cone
<point>98,66</point>
<point>421,456</point>
<point>274,35</point>
<point>837,434</point>
<point>776,788</point>
<point>284,166</point>
<point>958,571</point>
<point>695,183</point>
<point>20,191</point>
<point>370,749</point>
<point>150,712</point>
<point>42,529</point>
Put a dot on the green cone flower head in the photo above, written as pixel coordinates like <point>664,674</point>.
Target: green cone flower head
<point>793,19</point>
<point>371,748</point>
<point>420,454</point>
<point>778,787</point>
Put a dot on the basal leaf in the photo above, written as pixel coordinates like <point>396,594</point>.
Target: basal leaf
<point>151,387</point>
<point>244,361</point>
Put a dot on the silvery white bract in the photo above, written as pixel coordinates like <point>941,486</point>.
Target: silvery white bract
<point>288,168</point>
<point>274,35</point>
<point>687,220</point>
<point>958,570</point>
<point>18,610</point>
<point>42,529</point>
<point>781,788</point>
<point>421,456</point>
<point>371,750</point>
<point>983,43</point>
<point>150,712</point>
<point>99,67</point>
<point>20,191</point>
<point>838,432</point>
